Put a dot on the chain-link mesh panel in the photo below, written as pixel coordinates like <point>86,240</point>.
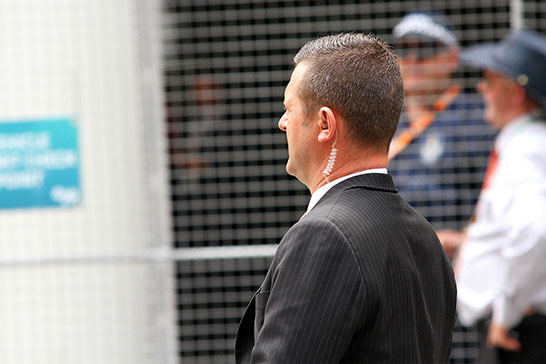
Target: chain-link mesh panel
<point>211,295</point>
<point>226,66</point>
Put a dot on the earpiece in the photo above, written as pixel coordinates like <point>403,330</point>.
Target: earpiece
<point>331,161</point>
<point>324,125</point>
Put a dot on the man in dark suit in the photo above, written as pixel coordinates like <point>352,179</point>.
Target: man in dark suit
<point>361,277</point>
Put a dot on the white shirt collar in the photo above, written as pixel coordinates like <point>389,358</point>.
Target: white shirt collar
<point>315,197</point>
<point>512,128</point>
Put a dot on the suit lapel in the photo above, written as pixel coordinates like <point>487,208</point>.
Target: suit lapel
<point>244,341</point>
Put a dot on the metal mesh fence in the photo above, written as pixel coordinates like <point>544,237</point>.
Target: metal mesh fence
<point>226,66</point>
<point>210,297</point>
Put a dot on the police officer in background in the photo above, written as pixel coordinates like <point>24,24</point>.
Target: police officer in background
<point>436,168</point>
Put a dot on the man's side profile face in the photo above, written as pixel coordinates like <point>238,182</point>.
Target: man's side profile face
<point>301,132</point>
<point>498,94</point>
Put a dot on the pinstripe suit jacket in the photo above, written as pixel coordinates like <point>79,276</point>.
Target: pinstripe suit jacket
<point>362,278</point>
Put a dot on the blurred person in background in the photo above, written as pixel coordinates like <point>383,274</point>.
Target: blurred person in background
<point>430,157</point>
<point>501,266</point>
<point>362,277</point>
<point>194,132</point>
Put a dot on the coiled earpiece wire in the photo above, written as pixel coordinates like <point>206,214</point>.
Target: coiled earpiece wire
<point>331,161</point>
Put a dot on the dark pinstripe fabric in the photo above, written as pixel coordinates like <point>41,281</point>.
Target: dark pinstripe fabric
<point>361,278</point>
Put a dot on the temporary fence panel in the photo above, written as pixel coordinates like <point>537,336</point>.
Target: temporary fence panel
<point>226,64</point>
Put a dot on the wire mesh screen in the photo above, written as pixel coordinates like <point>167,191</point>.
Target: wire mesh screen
<point>226,66</point>
<point>534,15</point>
<point>211,295</point>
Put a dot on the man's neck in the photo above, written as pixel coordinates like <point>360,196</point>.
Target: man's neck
<point>320,192</point>
<point>347,166</point>
<point>515,114</point>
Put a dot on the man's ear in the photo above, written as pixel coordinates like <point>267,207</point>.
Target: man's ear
<point>327,124</point>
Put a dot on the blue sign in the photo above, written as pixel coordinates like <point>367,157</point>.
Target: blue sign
<point>39,163</point>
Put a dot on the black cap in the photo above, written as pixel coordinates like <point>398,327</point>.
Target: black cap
<point>521,56</point>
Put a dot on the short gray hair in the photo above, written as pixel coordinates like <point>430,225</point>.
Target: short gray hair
<point>358,76</point>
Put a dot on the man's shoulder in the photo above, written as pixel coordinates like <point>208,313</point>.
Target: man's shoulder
<point>538,126</point>
<point>366,208</point>
<point>367,181</point>
<point>358,195</point>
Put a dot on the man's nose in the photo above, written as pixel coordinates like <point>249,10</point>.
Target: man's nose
<point>282,122</point>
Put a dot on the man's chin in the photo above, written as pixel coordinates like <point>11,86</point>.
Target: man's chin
<point>494,120</point>
<point>289,169</point>
<point>292,171</point>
